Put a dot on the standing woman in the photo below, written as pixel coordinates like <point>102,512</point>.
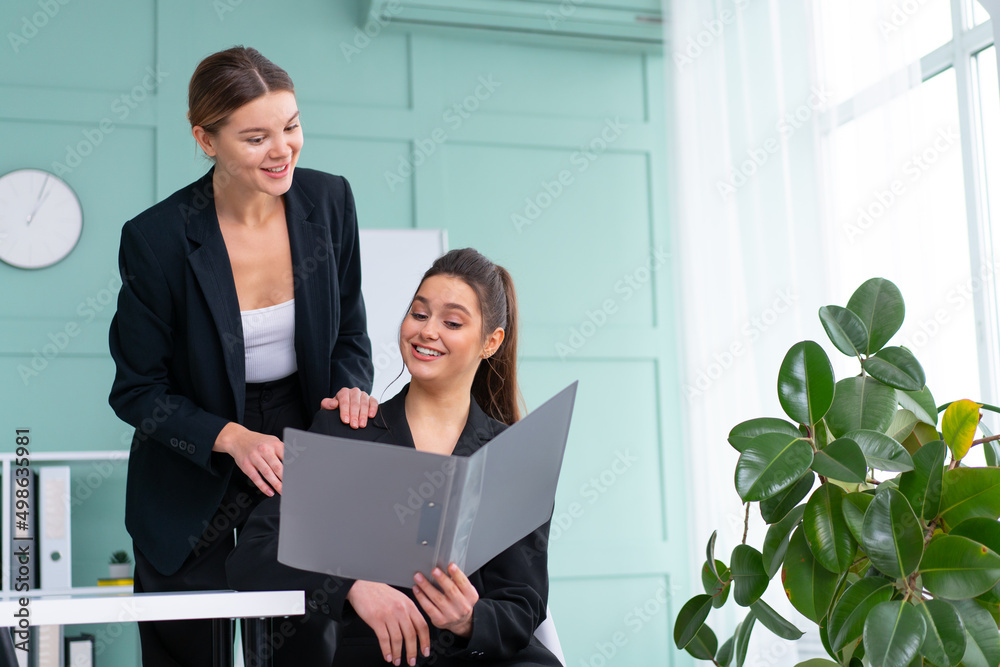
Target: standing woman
<point>240,314</point>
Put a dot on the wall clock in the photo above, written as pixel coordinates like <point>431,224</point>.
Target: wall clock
<point>40,219</point>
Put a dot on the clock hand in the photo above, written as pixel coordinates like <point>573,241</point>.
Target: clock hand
<point>40,199</point>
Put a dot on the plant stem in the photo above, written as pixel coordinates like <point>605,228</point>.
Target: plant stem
<point>930,531</point>
<point>746,524</point>
<point>985,440</point>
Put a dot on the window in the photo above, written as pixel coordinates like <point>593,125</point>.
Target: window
<point>912,161</point>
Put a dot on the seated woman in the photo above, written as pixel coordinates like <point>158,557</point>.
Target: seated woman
<point>459,343</point>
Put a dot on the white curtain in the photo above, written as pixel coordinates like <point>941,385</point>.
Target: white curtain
<point>744,150</point>
<point>771,170</point>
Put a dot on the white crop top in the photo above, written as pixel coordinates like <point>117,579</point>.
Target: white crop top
<point>269,341</point>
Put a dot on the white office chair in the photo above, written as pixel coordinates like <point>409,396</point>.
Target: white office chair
<point>546,633</point>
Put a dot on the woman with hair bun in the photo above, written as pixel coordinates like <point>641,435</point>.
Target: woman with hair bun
<point>459,342</point>
<point>240,314</point>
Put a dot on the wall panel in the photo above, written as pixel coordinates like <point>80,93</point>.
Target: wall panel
<point>381,110</point>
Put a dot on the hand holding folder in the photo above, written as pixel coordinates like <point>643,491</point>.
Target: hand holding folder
<point>380,512</point>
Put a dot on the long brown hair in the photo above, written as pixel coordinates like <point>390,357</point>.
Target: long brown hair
<point>225,81</point>
<point>495,385</point>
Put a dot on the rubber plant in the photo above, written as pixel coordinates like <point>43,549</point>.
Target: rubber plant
<point>898,568</point>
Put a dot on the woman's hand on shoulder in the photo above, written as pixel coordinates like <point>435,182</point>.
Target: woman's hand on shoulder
<point>448,599</point>
<point>395,619</point>
<point>356,406</point>
<point>257,455</point>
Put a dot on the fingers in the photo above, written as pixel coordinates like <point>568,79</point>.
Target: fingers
<point>465,586</point>
<point>355,406</point>
<point>372,406</point>
<point>344,399</point>
<point>383,642</point>
<point>329,404</point>
<point>410,639</point>
<point>424,600</point>
<point>395,642</point>
<point>259,457</point>
<point>363,407</point>
<point>448,600</point>
<point>259,482</point>
<point>423,632</point>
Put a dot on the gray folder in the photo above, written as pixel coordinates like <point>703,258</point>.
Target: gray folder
<point>380,512</point>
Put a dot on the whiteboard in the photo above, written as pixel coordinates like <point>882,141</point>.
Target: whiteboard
<point>392,263</point>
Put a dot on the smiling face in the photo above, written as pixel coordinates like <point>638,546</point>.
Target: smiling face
<point>441,337</point>
<point>259,144</point>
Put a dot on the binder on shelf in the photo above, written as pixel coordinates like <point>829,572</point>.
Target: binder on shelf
<point>54,552</point>
<point>48,646</point>
<point>23,512</point>
<point>380,512</point>
<point>80,651</point>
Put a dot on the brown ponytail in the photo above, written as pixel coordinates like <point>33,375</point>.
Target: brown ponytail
<point>495,385</point>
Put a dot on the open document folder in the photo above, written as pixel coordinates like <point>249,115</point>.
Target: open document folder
<point>379,512</point>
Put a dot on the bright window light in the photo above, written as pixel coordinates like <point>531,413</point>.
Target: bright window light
<point>863,39</point>
<point>899,213</point>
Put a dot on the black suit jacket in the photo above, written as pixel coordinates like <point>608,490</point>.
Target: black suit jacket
<point>177,342</point>
<point>513,587</point>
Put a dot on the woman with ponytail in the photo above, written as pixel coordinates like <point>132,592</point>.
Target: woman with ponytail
<point>459,342</point>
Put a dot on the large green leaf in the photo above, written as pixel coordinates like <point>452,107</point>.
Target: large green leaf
<point>847,620</point>
<point>704,644</point>
<point>770,463</point>
<point>805,383</point>
<point>881,451</point>
<point>986,532</point>
<point>920,403</point>
<point>944,643</point>
<point>690,618</point>
<point>854,508</point>
<point>896,367</point>
<point>743,433</point>
<point>741,642</point>
<point>891,535</point>
<point>956,567</point>
<point>902,425</point>
<point>710,553</point>
<point>826,529</point>
<point>880,306</point>
<point>922,434</point>
<point>776,507</point>
<point>922,485</point>
<point>776,540</point>
<point>716,585</point>
<point>808,585</point>
<point>750,580</point>
<point>893,634</point>
<point>845,329</point>
<point>843,460</point>
<point>861,403</point>
<point>725,653</point>
<point>982,641</point>
<point>774,622</point>
<point>967,493</point>
<point>818,662</point>
<point>958,426</point>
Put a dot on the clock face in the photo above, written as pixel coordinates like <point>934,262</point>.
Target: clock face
<point>40,219</point>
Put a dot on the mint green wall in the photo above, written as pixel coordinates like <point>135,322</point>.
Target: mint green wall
<point>591,308</point>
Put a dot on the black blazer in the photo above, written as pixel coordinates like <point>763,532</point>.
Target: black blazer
<point>513,587</point>
<point>177,342</point>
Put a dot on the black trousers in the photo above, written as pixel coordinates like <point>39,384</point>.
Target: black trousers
<point>270,408</point>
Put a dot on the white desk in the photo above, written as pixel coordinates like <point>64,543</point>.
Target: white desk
<point>220,606</point>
